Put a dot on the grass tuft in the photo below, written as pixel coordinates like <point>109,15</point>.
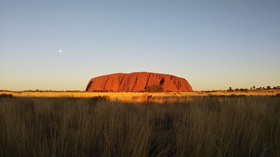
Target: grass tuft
<point>200,126</point>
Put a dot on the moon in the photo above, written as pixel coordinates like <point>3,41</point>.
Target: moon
<point>60,51</point>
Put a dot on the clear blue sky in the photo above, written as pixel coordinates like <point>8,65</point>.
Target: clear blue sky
<point>213,44</point>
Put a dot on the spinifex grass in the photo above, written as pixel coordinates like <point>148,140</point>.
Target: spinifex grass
<point>204,126</point>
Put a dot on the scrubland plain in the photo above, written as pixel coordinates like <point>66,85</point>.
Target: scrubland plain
<point>158,97</point>
<point>97,125</point>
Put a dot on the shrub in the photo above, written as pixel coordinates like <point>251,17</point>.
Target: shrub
<point>154,88</point>
<point>6,96</point>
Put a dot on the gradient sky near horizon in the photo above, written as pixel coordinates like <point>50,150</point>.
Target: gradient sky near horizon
<point>61,44</point>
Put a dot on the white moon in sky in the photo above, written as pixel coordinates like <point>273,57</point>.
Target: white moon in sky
<point>60,51</point>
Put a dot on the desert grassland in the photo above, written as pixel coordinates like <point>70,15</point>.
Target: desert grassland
<point>214,125</point>
<point>160,97</point>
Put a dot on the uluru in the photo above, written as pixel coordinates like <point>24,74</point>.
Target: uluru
<point>138,82</point>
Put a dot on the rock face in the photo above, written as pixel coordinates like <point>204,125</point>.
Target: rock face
<point>138,81</point>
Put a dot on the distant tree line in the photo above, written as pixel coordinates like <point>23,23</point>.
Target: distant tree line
<point>230,89</point>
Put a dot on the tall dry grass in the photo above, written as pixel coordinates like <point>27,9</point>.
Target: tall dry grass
<point>201,126</point>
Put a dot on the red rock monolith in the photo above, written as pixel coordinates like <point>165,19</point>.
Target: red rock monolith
<point>137,82</point>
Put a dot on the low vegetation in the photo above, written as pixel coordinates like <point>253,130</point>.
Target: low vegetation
<point>200,126</point>
<point>154,88</point>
